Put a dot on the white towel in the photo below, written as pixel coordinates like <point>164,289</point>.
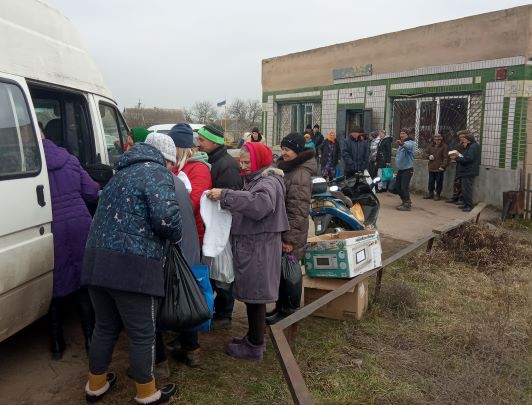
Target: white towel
<point>217,226</point>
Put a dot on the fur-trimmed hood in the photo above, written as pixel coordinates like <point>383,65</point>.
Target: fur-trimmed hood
<point>272,171</point>
<point>302,158</point>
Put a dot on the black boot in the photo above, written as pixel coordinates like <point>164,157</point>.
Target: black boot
<point>57,341</point>
<point>86,316</point>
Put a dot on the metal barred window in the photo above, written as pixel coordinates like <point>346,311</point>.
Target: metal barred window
<point>446,115</point>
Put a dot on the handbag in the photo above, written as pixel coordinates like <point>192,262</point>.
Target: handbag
<point>392,187</point>
<point>387,173</point>
<point>221,268</point>
<point>183,305</point>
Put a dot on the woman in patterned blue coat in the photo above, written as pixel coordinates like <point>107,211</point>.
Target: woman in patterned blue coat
<point>123,267</point>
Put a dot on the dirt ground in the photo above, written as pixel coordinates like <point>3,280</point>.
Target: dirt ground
<point>28,376</point>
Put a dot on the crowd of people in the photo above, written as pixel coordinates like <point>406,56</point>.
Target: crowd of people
<point>112,263</point>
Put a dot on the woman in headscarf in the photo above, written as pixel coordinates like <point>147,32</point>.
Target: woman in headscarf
<point>259,219</point>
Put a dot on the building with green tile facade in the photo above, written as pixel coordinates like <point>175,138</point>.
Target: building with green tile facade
<point>473,73</point>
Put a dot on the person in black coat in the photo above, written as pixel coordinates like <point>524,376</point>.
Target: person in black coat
<point>355,152</point>
<point>468,167</point>
<point>225,173</point>
<point>384,157</point>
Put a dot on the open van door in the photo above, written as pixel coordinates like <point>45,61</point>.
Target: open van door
<point>26,241</point>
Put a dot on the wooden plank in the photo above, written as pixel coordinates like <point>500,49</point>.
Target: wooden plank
<point>528,204</point>
<point>378,282</point>
<point>296,384</point>
<point>475,212</point>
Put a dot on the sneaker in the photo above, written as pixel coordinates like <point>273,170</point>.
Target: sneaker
<point>221,323</point>
<point>162,396</point>
<point>95,396</point>
<point>404,207</point>
<point>271,313</point>
<point>460,206</point>
<point>437,197</point>
<point>450,201</point>
<point>428,196</point>
<point>245,350</point>
<point>467,209</point>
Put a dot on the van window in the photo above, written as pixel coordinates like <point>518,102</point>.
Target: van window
<point>64,117</point>
<point>19,150</point>
<point>115,131</point>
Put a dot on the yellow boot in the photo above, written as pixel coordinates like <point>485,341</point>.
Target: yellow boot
<point>98,385</point>
<point>147,394</point>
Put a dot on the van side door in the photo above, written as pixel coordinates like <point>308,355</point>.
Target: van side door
<point>26,241</point>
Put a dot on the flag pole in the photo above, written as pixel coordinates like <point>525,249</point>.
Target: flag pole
<point>225,115</point>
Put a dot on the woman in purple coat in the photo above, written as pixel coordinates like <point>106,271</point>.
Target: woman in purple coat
<point>259,219</point>
<point>70,188</point>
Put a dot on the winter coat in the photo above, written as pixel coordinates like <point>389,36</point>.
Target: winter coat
<point>404,159</point>
<point>384,152</point>
<point>200,178</point>
<point>225,171</point>
<point>441,156</point>
<point>355,154</point>
<point>137,214</point>
<point>324,152</point>
<point>469,164</point>
<point>189,244</point>
<point>318,141</point>
<point>70,188</point>
<point>298,182</point>
<point>259,219</point>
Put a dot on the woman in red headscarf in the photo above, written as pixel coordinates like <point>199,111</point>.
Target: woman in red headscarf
<point>259,219</point>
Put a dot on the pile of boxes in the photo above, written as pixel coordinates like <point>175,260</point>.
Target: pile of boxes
<point>330,259</point>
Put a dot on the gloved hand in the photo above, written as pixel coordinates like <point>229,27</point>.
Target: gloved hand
<point>441,169</point>
<point>431,157</point>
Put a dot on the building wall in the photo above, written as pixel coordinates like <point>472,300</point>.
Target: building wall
<point>487,36</point>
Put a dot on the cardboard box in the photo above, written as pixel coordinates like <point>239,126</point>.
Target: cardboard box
<point>352,305</point>
<point>343,255</point>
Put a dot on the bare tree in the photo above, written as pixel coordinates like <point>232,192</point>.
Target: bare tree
<point>254,114</point>
<point>245,114</point>
<point>203,112</point>
<point>187,112</point>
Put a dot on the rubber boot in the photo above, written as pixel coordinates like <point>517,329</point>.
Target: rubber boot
<point>245,350</point>
<point>57,340</point>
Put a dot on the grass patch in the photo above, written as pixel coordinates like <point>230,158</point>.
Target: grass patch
<point>451,327</point>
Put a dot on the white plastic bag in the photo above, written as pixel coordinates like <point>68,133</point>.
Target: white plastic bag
<point>217,226</point>
<point>221,267</point>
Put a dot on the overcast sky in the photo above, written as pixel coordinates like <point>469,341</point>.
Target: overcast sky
<point>170,53</point>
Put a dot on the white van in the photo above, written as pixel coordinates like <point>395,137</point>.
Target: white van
<point>46,76</point>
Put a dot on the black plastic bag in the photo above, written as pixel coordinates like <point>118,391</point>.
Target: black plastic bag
<point>291,284</point>
<point>183,305</point>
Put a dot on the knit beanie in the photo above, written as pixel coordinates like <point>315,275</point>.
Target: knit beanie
<point>212,133</point>
<point>164,144</point>
<point>259,154</point>
<point>139,134</point>
<point>182,135</point>
<point>294,141</point>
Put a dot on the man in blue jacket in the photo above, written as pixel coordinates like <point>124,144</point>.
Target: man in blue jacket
<point>404,160</point>
<point>355,152</point>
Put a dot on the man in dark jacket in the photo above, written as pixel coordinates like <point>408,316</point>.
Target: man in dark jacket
<point>355,152</point>
<point>123,266</point>
<point>318,139</point>
<point>468,167</point>
<point>225,174</point>
<point>438,157</point>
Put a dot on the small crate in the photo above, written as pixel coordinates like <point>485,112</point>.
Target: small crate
<point>343,255</point>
